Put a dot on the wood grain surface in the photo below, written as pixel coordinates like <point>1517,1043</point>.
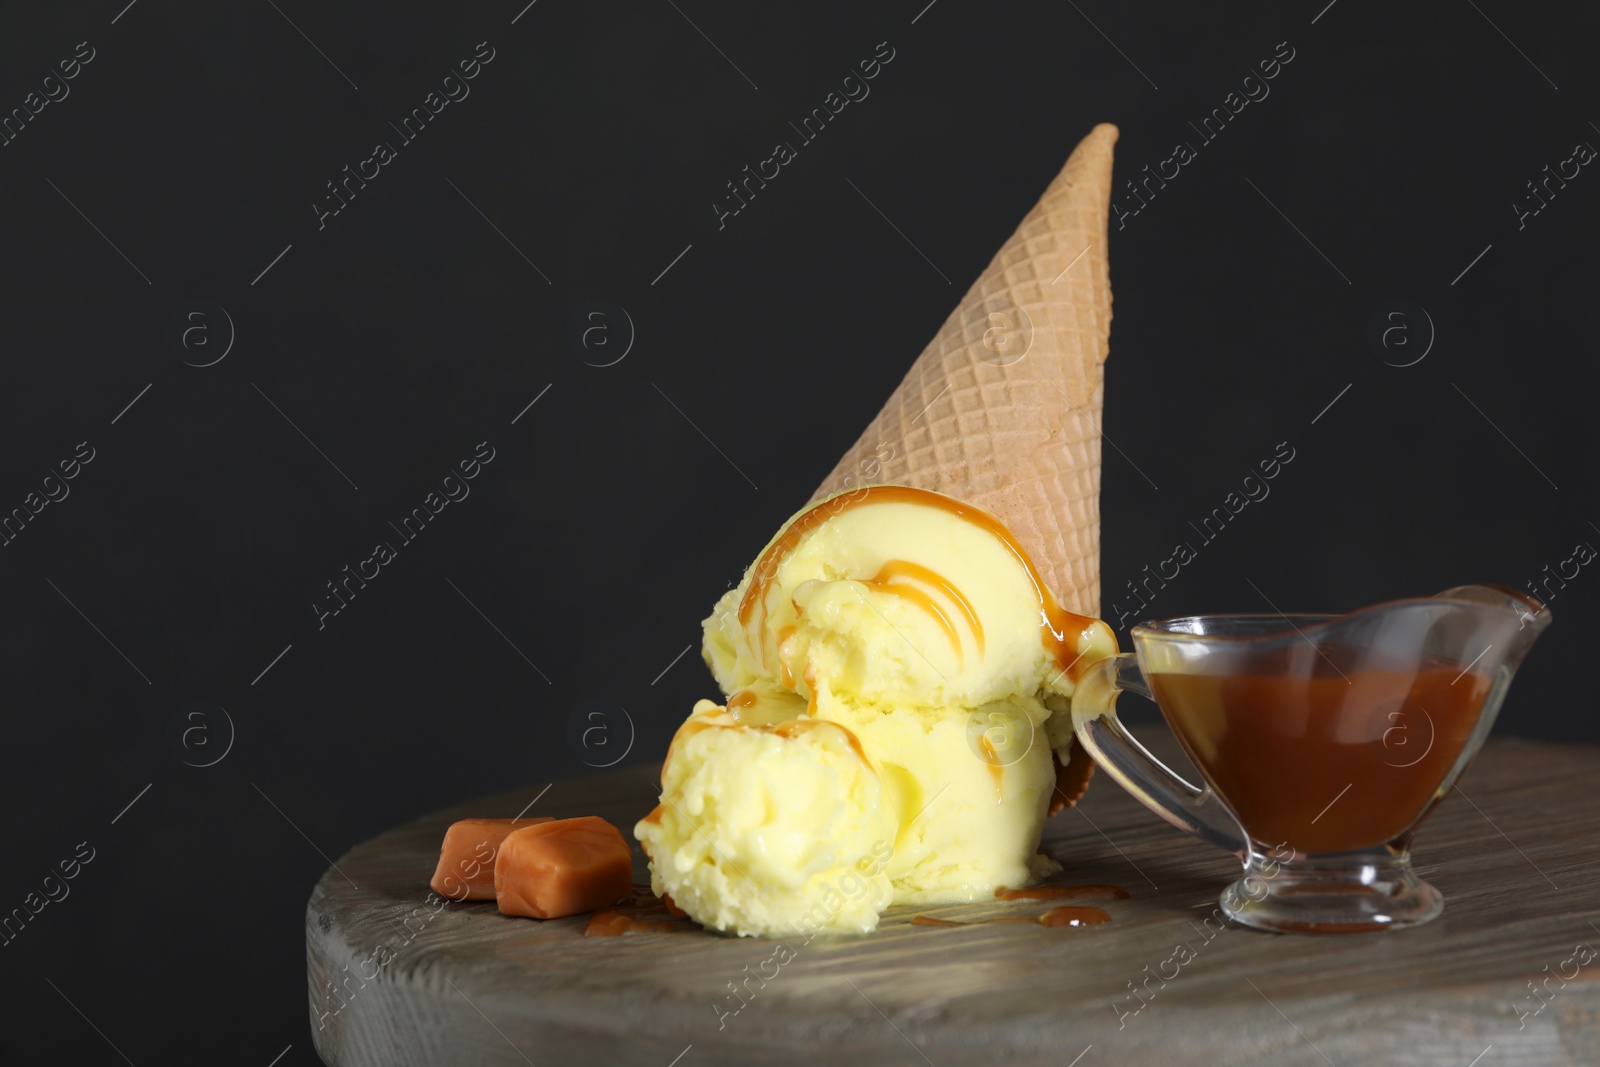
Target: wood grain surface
<point>397,979</point>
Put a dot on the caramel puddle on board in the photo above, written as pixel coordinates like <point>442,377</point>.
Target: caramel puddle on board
<point>1068,915</point>
<point>645,913</point>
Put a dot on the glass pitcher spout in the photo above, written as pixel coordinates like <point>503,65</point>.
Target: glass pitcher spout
<point>1532,616</point>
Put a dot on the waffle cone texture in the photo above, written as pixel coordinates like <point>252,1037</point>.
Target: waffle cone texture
<point>1002,409</point>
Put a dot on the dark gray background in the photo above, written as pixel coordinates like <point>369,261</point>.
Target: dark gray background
<point>188,154</point>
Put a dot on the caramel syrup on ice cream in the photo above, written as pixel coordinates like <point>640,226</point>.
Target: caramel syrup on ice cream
<point>1065,634</point>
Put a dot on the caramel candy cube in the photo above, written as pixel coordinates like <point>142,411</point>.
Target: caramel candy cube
<point>466,860</point>
<point>565,867</point>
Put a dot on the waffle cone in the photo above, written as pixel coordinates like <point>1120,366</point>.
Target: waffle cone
<point>1002,409</point>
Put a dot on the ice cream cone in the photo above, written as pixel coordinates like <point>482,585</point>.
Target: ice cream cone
<point>1002,409</point>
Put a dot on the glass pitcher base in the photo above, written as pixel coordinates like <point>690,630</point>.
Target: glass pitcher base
<point>1351,893</point>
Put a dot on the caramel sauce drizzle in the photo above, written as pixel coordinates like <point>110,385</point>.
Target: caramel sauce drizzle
<point>897,568</point>
<point>1072,778</point>
<point>795,727</point>
<point>785,675</point>
<point>996,768</point>
<point>1061,631</point>
<point>788,729</point>
<point>922,599</point>
<point>890,579</point>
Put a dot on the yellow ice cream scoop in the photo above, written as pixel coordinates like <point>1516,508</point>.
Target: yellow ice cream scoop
<point>915,625</point>
<point>773,828</point>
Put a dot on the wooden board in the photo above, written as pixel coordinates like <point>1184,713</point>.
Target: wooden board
<point>1517,862</point>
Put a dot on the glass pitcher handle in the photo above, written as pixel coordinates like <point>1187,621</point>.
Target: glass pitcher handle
<point>1152,783</point>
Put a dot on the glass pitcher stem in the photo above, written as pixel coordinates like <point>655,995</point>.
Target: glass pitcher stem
<point>1349,892</point>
